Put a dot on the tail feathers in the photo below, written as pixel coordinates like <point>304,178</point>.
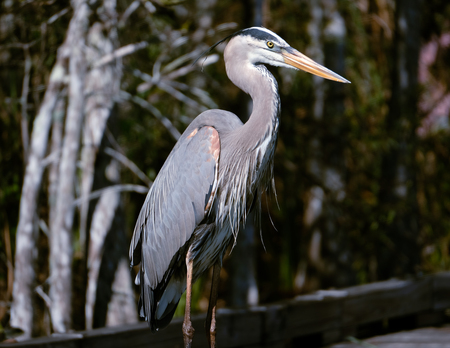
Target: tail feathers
<point>166,318</point>
<point>159,312</point>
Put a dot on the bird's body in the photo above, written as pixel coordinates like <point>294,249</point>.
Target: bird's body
<point>211,180</point>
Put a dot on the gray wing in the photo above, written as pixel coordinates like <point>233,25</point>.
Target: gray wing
<point>176,203</point>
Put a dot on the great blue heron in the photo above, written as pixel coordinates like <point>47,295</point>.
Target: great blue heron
<point>213,177</point>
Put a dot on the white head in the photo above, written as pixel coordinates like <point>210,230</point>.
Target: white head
<point>259,45</point>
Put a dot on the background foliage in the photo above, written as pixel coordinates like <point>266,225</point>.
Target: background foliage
<point>355,137</point>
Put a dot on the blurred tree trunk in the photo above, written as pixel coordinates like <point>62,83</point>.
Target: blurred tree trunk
<point>401,254</point>
<point>122,306</point>
<point>61,228</point>
<point>55,150</point>
<point>102,85</point>
<point>109,288</point>
<point>101,224</point>
<point>114,294</point>
<point>102,258</point>
<point>328,252</point>
<point>26,235</point>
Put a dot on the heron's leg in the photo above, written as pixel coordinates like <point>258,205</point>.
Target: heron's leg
<point>188,329</point>
<point>211,317</point>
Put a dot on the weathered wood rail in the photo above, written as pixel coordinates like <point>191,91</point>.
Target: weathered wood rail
<point>322,317</point>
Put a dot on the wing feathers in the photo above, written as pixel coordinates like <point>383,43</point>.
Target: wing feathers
<point>174,207</point>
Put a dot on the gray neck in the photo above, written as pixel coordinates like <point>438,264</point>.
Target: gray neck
<point>259,83</point>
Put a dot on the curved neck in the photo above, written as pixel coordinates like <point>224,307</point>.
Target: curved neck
<point>259,83</point>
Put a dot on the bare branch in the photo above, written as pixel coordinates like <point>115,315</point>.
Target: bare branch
<point>120,52</point>
<point>150,7</point>
<point>23,102</point>
<point>129,164</point>
<point>44,296</point>
<point>57,15</point>
<point>146,105</point>
<point>180,96</point>
<point>149,80</point>
<point>133,7</point>
<point>118,188</point>
<point>181,60</point>
<point>19,45</point>
<point>44,228</point>
<point>198,92</point>
<point>51,158</point>
<point>180,72</point>
<point>144,76</point>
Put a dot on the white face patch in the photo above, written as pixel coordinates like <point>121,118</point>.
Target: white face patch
<point>251,45</point>
<point>258,53</point>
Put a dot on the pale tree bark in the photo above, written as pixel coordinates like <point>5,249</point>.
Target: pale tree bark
<point>55,154</point>
<point>102,86</point>
<point>61,228</point>
<point>101,223</point>
<point>110,287</point>
<point>122,307</point>
<point>24,102</point>
<point>25,255</point>
<point>107,249</point>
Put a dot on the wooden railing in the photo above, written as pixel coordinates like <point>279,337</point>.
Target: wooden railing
<point>323,317</point>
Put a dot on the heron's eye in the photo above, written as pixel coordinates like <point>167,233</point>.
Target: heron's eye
<point>270,44</point>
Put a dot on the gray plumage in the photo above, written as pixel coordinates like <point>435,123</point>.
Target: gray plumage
<point>214,175</point>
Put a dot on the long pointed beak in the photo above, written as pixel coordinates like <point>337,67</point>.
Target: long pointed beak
<point>300,61</point>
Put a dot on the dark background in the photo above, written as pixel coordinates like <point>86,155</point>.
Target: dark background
<point>361,170</point>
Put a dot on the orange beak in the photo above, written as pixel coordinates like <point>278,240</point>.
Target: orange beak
<point>300,61</point>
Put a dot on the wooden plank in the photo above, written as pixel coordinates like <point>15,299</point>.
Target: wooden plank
<point>321,311</point>
<point>303,315</point>
<point>391,345</point>
<point>138,335</point>
<point>329,313</point>
<point>274,325</point>
<point>424,335</point>
<point>388,299</point>
<point>441,291</point>
<point>242,327</point>
<point>419,338</point>
<point>59,341</point>
<point>429,318</point>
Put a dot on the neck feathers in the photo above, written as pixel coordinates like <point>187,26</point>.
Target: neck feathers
<point>259,83</point>
<point>249,161</point>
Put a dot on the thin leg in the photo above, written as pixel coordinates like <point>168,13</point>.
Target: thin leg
<point>211,317</point>
<point>188,329</point>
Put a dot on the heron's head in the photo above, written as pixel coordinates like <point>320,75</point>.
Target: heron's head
<point>259,45</point>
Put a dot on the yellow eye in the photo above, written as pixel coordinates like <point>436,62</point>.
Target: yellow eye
<point>270,44</point>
